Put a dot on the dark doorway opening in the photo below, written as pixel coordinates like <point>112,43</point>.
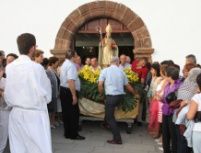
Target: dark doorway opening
<point>87,45</point>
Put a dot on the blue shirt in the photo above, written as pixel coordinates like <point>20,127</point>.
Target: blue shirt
<point>114,80</point>
<point>69,72</point>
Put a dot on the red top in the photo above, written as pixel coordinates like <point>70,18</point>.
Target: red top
<point>141,71</point>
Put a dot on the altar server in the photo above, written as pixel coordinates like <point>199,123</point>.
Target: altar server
<point>28,91</point>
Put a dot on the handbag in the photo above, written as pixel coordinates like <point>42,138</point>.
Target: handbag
<point>171,97</point>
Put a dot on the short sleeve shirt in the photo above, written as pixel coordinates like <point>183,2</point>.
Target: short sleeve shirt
<point>68,71</point>
<point>114,80</point>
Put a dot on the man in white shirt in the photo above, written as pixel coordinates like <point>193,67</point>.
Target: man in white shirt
<point>28,91</point>
<point>114,90</point>
<point>70,85</point>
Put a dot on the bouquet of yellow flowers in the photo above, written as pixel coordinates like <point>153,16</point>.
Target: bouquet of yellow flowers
<point>88,74</point>
<point>89,83</point>
<point>130,101</point>
<point>132,76</point>
<point>89,86</point>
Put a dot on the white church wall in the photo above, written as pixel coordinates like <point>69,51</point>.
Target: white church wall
<point>174,25</point>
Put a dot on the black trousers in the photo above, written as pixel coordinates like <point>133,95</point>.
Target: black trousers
<point>182,146</point>
<point>70,113</point>
<point>111,103</point>
<point>169,135</point>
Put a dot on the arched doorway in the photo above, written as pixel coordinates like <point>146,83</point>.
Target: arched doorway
<point>66,35</point>
<point>88,37</point>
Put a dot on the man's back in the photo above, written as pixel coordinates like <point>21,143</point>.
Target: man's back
<point>27,85</point>
<point>114,80</point>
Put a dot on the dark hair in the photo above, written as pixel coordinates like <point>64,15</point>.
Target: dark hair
<point>148,65</point>
<point>2,53</point>
<point>167,62</point>
<point>61,61</point>
<point>25,41</point>
<point>45,62</point>
<point>198,65</point>
<point>156,67</point>
<point>53,60</point>
<point>172,72</point>
<point>70,54</point>
<point>192,57</point>
<point>38,52</point>
<point>13,55</point>
<point>199,81</point>
<point>177,66</point>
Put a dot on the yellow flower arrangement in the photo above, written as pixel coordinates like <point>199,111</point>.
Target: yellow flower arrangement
<point>89,86</point>
<point>132,76</point>
<point>89,75</point>
<point>92,75</point>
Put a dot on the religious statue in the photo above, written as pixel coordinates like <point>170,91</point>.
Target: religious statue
<point>107,48</point>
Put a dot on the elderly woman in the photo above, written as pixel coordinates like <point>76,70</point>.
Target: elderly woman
<point>195,107</point>
<point>186,91</point>
<point>52,75</point>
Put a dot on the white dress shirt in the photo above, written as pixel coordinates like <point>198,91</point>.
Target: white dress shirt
<point>68,71</point>
<point>27,85</point>
<point>114,80</point>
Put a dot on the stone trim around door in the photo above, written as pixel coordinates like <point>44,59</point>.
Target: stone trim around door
<point>98,9</point>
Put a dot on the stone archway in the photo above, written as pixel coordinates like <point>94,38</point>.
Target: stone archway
<point>97,9</point>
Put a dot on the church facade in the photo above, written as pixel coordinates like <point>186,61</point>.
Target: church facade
<point>161,30</point>
<point>84,27</point>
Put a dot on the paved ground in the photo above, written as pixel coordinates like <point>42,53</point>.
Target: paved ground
<point>137,142</point>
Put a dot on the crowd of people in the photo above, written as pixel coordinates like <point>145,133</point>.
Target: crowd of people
<point>175,105</point>
<point>37,94</point>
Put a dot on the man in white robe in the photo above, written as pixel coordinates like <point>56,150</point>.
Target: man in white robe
<point>27,91</point>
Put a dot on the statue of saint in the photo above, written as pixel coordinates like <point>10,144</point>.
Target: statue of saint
<point>107,48</point>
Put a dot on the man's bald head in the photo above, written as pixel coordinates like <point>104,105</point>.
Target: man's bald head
<point>123,59</point>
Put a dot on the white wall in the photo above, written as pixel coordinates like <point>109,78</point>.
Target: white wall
<point>174,25</point>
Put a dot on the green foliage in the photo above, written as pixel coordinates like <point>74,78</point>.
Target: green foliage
<point>90,91</point>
